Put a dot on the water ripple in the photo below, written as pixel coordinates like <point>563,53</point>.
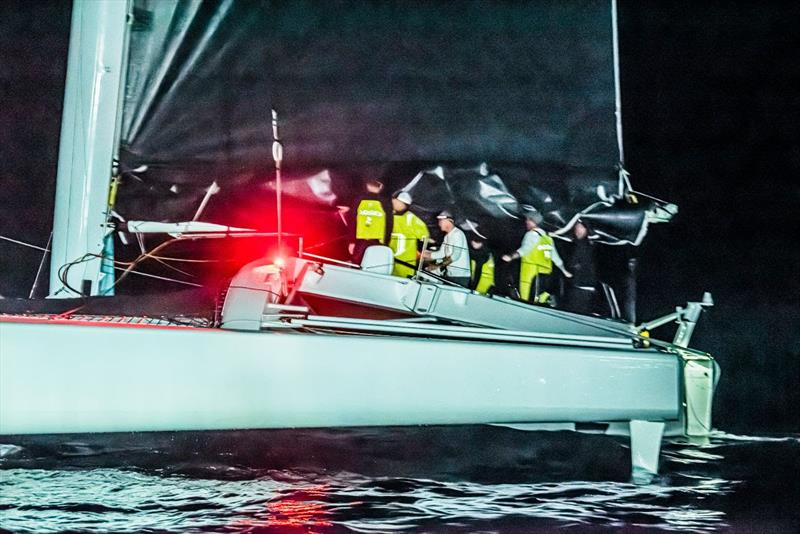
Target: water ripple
<point>698,491</point>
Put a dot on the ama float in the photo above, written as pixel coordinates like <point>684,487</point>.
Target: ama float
<point>309,340</point>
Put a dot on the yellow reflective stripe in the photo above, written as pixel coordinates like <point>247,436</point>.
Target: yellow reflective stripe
<point>398,243</point>
<point>369,212</point>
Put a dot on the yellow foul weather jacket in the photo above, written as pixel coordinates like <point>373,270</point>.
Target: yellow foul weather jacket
<point>486,278</point>
<point>537,254</point>
<point>370,220</point>
<point>406,231</point>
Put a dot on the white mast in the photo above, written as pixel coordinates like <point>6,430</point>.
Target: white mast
<point>89,139</point>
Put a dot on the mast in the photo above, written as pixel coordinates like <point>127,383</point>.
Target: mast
<point>89,138</point>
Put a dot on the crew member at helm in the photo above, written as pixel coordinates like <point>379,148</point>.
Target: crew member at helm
<point>451,261</point>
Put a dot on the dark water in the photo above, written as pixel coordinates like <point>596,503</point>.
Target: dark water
<point>432,479</point>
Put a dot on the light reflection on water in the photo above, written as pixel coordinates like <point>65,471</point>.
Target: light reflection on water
<point>699,489</point>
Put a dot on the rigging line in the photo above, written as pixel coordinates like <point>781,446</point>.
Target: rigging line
<point>140,273</point>
<point>24,244</point>
<point>188,260</point>
<point>139,259</point>
<point>617,90</point>
<point>168,266</point>
<point>149,254</point>
<point>645,195</point>
<point>41,267</point>
<point>62,271</point>
<point>329,241</point>
<point>91,255</point>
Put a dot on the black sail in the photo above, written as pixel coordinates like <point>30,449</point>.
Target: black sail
<point>513,103</point>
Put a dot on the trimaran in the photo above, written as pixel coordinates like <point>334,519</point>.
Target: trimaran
<point>414,351</point>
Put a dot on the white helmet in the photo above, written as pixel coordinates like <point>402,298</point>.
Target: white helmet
<point>404,197</point>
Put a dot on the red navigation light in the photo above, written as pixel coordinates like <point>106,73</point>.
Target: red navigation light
<point>279,262</point>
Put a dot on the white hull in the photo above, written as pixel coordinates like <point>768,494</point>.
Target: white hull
<point>74,378</point>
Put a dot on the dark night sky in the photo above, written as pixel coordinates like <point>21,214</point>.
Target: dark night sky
<point>711,119</point>
<point>711,122</point>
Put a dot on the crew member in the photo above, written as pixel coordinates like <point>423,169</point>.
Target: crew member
<point>407,231</point>
<point>482,265</point>
<point>580,292</point>
<point>451,261</point>
<point>370,215</point>
<point>538,254</point>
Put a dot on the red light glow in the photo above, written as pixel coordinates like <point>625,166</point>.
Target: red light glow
<point>301,511</point>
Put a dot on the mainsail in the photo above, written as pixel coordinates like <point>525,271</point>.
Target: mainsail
<point>376,90</point>
<point>372,82</point>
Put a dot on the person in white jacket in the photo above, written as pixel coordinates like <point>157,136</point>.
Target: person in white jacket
<point>451,261</point>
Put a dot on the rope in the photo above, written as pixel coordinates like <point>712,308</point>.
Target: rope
<point>23,243</point>
<point>329,241</point>
<point>41,267</point>
<point>186,260</point>
<point>127,269</point>
<point>166,278</point>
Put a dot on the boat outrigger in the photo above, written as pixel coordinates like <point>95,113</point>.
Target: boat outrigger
<point>308,341</point>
